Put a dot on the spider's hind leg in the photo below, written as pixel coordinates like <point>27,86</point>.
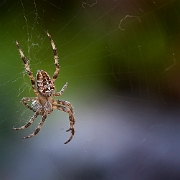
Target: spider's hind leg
<point>61,105</point>
<point>29,123</point>
<point>38,128</point>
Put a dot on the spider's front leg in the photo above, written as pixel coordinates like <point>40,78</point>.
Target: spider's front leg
<point>55,57</point>
<point>28,70</point>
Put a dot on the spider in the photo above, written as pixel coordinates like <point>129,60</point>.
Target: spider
<point>44,88</point>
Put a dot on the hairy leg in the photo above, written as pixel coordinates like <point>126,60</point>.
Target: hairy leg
<point>27,68</point>
<point>38,128</point>
<point>61,91</point>
<point>29,122</point>
<point>25,101</point>
<point>71,119</point>
<point>55,57</point>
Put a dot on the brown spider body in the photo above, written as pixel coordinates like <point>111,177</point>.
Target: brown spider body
<point>44,84</point>
<point>44,89</point>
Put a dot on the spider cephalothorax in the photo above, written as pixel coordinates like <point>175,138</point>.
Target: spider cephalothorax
<point>44,89</point>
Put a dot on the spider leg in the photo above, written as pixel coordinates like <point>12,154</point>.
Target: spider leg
<point>27,67</point>
<point>29,123</point>
<point>67,104</point>
<point>63,103</point>
<point>71,119</point>
<point>25,102</point>
<point>61,91</point>
<point>55,57</point>
<point>38,128</point>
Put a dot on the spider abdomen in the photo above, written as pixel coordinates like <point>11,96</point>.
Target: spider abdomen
<point>44,84</point>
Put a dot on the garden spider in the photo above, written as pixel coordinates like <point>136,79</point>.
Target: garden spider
<point>44,89</point>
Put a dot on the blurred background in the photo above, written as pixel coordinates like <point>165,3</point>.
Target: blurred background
<point>121,60</point>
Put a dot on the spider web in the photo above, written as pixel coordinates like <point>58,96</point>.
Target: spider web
<point>121,61</point>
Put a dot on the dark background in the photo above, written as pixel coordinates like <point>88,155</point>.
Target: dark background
<point>121,60</point>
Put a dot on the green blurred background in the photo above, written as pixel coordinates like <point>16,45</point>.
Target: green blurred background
<point>121,60</point>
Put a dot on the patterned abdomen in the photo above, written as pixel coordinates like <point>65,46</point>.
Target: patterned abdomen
<point>44,84</point>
